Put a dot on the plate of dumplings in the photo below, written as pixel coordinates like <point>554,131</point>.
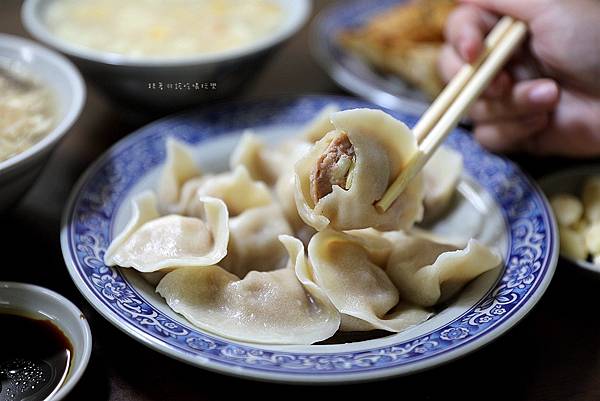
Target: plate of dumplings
<point>243,238</point>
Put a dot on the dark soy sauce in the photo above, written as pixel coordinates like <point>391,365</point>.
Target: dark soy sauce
<point>34,358</point>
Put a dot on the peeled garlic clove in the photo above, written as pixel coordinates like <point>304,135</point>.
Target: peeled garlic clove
<point>592,238</point>
<point>581,226</point>
<point>567,208</point>
<point>572,244</point>
<point>591,198</point>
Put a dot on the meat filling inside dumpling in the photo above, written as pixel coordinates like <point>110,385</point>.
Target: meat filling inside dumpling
<point>333,167</point>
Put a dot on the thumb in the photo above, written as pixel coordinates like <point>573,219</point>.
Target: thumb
<point>520,9</point>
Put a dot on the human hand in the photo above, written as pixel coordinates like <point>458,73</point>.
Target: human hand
<point>557,114</point>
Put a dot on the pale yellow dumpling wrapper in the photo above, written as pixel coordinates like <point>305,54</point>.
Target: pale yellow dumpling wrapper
<point>267,163</point>
<point>320,125</point>
<point>262,163</point>
<point>150,243</point>
<point>343,268</point>
<point>254,241</point>
<point>179,168</point>
<point>275,165</point>
<point>426,272</point>
<point>378,246</point>
<point>382,146</point>
<point>182,184</point>
<point>235,188</point>
<point>441,175</point>
<point>285,187</point>
<point>265,307</point>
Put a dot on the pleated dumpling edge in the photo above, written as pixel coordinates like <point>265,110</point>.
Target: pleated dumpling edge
<point>178,169</point>
<point>150,243</point>
<point>345,270</point>
<point>265,307</point>
<point>426,272</point>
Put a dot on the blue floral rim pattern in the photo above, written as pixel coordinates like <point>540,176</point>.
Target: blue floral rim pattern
<point>88,219</point>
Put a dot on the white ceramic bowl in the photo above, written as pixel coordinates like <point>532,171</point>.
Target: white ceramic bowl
<point>571,181</point>
<point>127,79</point>
<point>18,173</point>
<point>40,302</point>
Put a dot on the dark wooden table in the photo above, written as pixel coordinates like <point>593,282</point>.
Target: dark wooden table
<point>553,354</point>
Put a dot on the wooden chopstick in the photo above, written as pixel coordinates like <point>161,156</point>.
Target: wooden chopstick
<point>453,102</point>
<point>460,79</point>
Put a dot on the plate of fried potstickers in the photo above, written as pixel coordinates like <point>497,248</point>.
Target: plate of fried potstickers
<point>243,238</point>
<point>385,51</point>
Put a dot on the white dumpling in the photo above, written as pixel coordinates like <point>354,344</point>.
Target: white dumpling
<point>236,188</point>
<point>182,184</point>
<point>321,124</point>
<point>376,243</point>
<point>441,175</point>
<point>254,241</point>
<point>188,197</point>
<point>380,244</point>
<point>267,163</point>
<point>349,169</point>
<point>292,150</point>
<point>179,167</point>
<point>426,272</point>
<point>361,291</point>
<point>150,243</point>
<point>457,240</point>
<point>265,307</point>
<point>153,278</point>
<point>262,163</point>
<point>285,187</point>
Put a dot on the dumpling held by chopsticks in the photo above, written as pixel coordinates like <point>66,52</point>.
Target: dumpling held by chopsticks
<point>349,169</point>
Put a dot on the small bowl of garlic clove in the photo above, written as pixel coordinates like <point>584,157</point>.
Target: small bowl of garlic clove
<point>574,195</point>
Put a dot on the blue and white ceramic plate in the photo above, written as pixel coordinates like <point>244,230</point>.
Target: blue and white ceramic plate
<point>352,72</point>
<point>495,203</point>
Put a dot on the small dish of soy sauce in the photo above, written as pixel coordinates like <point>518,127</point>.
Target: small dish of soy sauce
<point>45,343</point>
